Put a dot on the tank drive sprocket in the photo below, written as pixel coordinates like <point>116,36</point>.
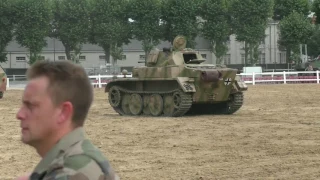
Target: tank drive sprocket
<point>231,106</point>
<point>234,103</point>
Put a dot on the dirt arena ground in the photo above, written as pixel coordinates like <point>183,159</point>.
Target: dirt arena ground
<point>276,135</point>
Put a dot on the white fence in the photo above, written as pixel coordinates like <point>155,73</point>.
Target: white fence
<point>249,78</point>
<point>284,77</point>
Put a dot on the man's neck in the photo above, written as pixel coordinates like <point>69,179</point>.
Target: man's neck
<point>44,147</point>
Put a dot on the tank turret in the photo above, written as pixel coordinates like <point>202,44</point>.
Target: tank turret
<point>3,82</point>
<point>176,82</point>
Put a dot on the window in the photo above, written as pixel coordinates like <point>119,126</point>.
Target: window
<point>41,58</point>
<point>262,58</point>
<point>20,58</point>
<point>242,58</point>
<point>283,57</point>
<point>227,59</point>
<point>204,56</point>
<point>124,57</point>
<point>142,57</point>
<point>61,57</point>
<point>82,58</point>
<point>102,57</point>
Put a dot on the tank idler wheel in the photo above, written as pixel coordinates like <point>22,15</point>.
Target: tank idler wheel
<point>114,96</point>
<point>155,104</point>
<point>125,104</point>
<point>136,104</point>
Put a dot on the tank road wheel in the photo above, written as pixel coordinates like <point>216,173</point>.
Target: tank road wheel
<point>1,95</point>
<point>233,105</point>
<point>169,107</point>
<point>155,104</point>
<point>146,110</point>
<point>125,104</point>
<point>136,104</point>
<point>177,104</point>
<point>114,96</point>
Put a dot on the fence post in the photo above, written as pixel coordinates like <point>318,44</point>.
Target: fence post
<point>8,79</point>
<point>99,80</point>
<point>284,77</point>
<point>317,76</point>
<point>253,78</point>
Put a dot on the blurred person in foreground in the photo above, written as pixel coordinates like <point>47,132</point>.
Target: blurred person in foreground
<point>55,104</point>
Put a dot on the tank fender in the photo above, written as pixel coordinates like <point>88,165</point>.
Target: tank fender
<point>239,84</point>
<point>108,86</point>
<point>186,84</point>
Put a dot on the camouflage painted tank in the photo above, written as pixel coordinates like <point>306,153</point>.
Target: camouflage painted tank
<point>175,82</point>
<point>3,82</point>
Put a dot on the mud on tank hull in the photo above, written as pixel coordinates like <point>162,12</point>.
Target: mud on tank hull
<point>172,97</point>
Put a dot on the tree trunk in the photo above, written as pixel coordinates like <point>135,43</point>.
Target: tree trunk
<point>245,53</point>
<point>288,54</point>
<point>106,50</point>
<point>67,50</point>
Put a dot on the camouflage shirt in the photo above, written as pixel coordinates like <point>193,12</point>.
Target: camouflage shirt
<point>74,157</point>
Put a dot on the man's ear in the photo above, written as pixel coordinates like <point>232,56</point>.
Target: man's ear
<point>66,112</point>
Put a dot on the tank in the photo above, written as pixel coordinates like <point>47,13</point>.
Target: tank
<point>3,82</point>
<point>176,82</point>
<point>310,65</point>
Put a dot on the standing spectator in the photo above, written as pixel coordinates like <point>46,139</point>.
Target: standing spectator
<point>55,104</point>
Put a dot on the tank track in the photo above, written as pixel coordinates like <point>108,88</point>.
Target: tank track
<point>231,107</point>
<point>186,101</point>
<point>218,109</point>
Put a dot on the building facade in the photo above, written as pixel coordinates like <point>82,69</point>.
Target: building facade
<point>92,56</point>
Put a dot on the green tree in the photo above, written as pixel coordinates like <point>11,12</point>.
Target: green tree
<point>314,43</point>
<point>7,14</point>
<point>179,17</point>
<point>146,22</point>
<point>215,26</point>
<point>249,20</point>
<point>70,24</point>
<point>283,8</point>
<point>316,9</point>
<point>295,29</point>
<point>109,26</point>
<point>33,25</point>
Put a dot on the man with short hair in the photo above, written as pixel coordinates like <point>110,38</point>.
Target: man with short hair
<point>55,104</point>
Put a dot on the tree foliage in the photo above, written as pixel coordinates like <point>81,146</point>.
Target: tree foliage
<point>283,8</point>
<point>146,22</point>
<point>33,25</point>
<point>7,14</point>
<point>249,20</point>
<point>179,17</point>
<point>109,26</point>
<point>316,9</point>
<point>295,29</point>
<point>70,24</point>
<point>215,26</point>
<point>314,43</point>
